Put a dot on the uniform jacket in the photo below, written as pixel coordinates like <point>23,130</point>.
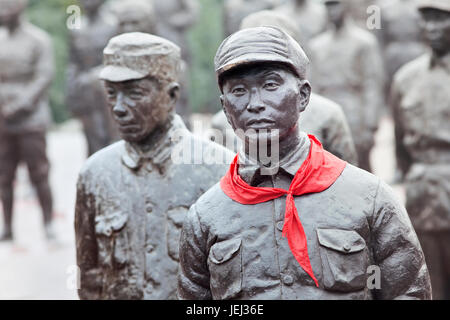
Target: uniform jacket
<point>129,211</point>
<point>233,251</point>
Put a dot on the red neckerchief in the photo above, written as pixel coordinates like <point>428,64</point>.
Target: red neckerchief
<point>318,172</point>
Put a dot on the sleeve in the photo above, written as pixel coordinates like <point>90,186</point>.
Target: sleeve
<point>339,138</point>
<point>42,75</point>
<point>403,157</point>
<point>193,274</point>
<point>86,245</point>
<point>372,71</point>
<point>396,251</point>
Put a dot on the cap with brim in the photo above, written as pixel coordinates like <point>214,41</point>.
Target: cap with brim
<point>258,45</point>
<point>443,5</point>
<point>136,55</point>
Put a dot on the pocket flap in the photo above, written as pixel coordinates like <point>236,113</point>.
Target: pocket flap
<point>346,241</point>
<point>223,251</point>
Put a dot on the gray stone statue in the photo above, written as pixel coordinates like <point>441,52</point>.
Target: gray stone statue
<point>231,249</point>
<point>174,19</point>
<point>134,15</point>
<point>26,72</point>
<point>132,196</point>
<point>310,17</point>
<point>84,94</point>
<point>234,11</point>
<point>421,103</point>
<point>323,118</point>
<point>347,68</point>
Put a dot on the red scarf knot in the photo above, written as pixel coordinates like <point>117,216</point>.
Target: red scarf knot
<point>317,173</point>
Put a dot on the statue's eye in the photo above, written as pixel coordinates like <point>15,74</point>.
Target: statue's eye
<point>136,94</point>
<point>111,92</point>
<point>271,85</point>
<point>238,91</point>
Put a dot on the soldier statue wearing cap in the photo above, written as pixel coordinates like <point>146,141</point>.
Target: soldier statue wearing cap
<point>347,68</point>
<point>421,101</point>
<point>132,196</point>
<point>26,72</point>
<point>305,227</point>
<point>323,118</point>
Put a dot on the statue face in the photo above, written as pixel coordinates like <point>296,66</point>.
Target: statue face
<point>10,11</point>
<point>139,106</point>
<point>435,25</point>
<point>134,22</point>
<point>264,96</point>
<point>336,11</point>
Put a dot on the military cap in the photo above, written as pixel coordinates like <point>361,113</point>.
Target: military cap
<point>260,44</point>
<point>443,5</point>
<point>136,55</point>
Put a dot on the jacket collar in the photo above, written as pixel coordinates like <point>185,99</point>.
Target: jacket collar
<point>249,169</point>
<point>158,152</point>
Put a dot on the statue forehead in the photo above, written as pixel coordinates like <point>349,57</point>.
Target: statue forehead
<point>263,69</point>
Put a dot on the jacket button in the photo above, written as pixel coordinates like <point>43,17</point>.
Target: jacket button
<point>150,248</point>
<point>149,208</point>
<point>280,225</point>
<point>288,280</point>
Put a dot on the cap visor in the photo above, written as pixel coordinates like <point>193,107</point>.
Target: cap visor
<point>119,74</point>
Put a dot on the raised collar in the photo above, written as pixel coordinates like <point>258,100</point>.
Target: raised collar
<point>159,150</point>
<point>249,168</point>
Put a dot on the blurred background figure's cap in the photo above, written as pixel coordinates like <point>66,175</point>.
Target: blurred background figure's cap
<point>136,55</point>
<point>260,44</point>
<point>13,6</point>
<point>271,18</point>
<point>443,5</point>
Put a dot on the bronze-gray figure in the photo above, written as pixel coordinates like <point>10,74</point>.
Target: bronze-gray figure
<point>347,68</point>
<point>26,72</point>
<point>84,94</point>
<point>134,16</point>
<point>230,250</point>
<point>323,118</point>
<point>174,19</point>
<point>310,17</point>
<point>133,195</point>
<point>421,102</point>
<point>234,11</point>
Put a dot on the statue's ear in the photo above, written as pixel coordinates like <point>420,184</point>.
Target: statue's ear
<point>305,94</point>
<point>173,90</point>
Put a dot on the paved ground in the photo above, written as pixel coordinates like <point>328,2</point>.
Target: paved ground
<point>32,268</point>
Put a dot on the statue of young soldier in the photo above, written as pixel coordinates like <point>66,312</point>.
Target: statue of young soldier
<point>421,103</point>
<point>84,96</point>
<point>348,69</point>
<point>232,244</point>
<point>323,118</point>
<point>26,72</point>
<point>132,196</point>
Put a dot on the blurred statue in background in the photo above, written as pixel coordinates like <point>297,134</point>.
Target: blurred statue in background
<point>134,15</point>
<point>348,68</point>
<point>132,196</point>
<point>26,72</point>
<point>322,118</point>
<point>421,104</point>
<point>234,11</point>
<point>310,17</point>
<point>174,19</point>
<point>84,94</point>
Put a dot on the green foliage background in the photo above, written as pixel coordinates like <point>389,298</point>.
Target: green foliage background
<point>204,39</point>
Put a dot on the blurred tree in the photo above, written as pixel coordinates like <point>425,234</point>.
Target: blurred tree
<point>204,38</point>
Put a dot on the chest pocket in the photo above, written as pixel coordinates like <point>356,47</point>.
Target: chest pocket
<point>225,268</point>
<point>344,258</point>
<point>112,239</point>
